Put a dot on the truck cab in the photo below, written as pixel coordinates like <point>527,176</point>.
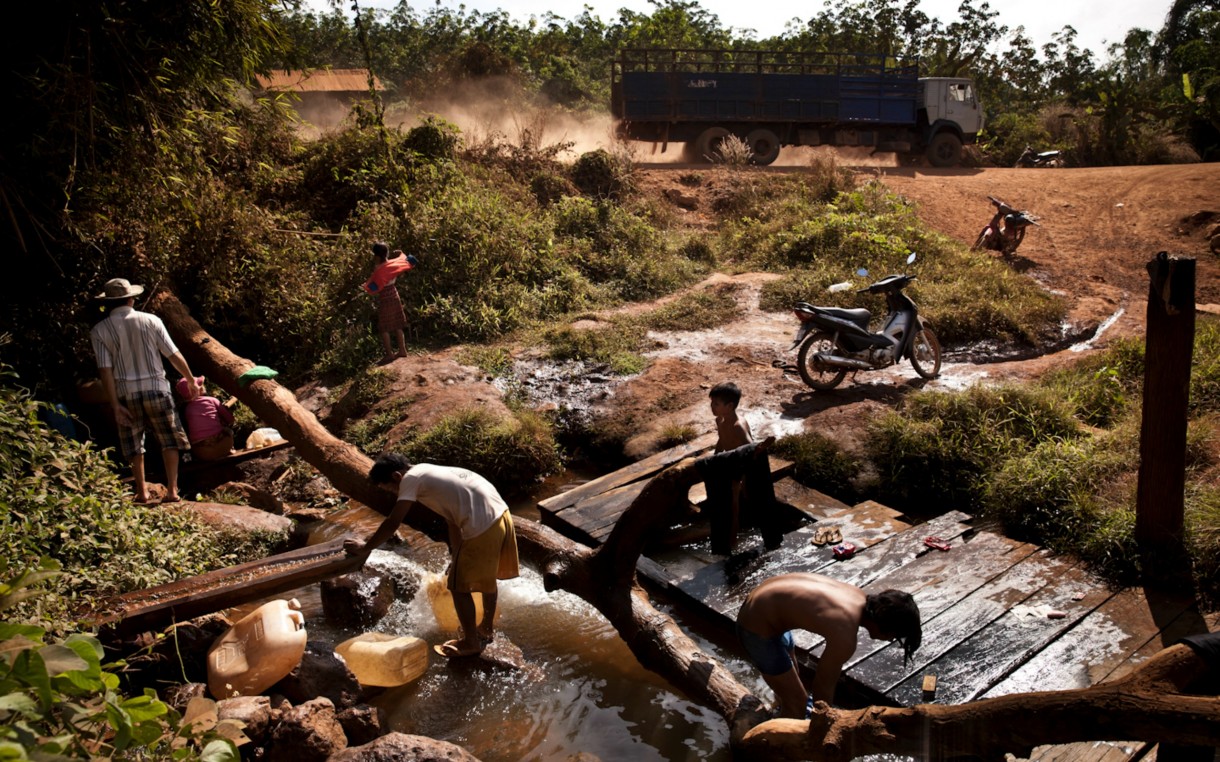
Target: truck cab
<point>950,115</point>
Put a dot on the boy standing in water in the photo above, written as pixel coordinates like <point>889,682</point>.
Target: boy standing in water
<point>482,541</point>
<point>731,433</point>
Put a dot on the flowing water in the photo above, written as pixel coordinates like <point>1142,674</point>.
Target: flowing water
<point>583,696</point>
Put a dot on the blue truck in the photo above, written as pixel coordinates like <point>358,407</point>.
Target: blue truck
<point>772,99</point>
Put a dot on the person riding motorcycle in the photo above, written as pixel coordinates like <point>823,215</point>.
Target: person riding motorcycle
<point>1006,230</point>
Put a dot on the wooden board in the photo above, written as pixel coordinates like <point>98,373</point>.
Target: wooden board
<point>989,576</point>
<point>1100,642</point>
<point>1189,622</point>
<point>938,579</point>
<point>807,500</point>
<point>634,472</point>
<point>719,585</point>
<point>592,519</point>
<point>157,607</point>
<point>983,659</point>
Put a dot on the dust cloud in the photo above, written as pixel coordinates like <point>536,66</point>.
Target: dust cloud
<point>495,110</point>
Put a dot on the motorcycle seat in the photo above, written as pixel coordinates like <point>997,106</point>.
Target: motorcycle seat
<point>859,316</point>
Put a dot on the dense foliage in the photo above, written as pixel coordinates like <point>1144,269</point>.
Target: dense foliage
<point>62,500</point>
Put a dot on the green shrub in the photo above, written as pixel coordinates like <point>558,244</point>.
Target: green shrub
<point>937,452</point>
<point>512,454</point>
<point>601,174</point>
<point>62,499</point>
<point>614,346</point>
<point>1047,494</point>
<point>619,250</point>
<point>433,139</point>
<point>697,311</point>
<point>61,702</point>
<point>820,463</point>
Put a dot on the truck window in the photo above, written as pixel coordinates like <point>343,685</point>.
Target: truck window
<point>961,92</point>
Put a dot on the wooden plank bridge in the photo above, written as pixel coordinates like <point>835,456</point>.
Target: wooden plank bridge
<point>999,616</point>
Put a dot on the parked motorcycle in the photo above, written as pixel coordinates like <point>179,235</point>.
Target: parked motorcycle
<point>834,341</point>
<point>1006,230</point>
<point>1029,158</point>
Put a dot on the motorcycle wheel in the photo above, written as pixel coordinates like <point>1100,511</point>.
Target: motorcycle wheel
<point>982,239</point>
<point>816,377</point>
<point>925,354</point>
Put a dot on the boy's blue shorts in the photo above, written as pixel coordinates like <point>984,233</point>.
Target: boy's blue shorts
<point>772,656</point>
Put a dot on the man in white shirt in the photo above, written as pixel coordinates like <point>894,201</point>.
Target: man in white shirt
<point>482,542</point>
<point>129,345</point>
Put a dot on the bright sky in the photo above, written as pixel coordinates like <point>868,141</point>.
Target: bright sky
<point>1097,22</point>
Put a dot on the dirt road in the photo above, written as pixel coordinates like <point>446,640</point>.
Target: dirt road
<point>1099,226</point>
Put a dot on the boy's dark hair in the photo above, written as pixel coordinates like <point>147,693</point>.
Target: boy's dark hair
<point>381,250</point>
<point>895,613</point>
<point>726,392</point>
<point>386,465</point>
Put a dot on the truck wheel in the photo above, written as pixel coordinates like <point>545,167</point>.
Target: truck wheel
<point>945,150</point>
<point>764,147</point>
<point>707,145</point>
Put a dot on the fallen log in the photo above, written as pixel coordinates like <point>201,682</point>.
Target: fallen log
<point>1151,704</point>
<point>1148,705</point>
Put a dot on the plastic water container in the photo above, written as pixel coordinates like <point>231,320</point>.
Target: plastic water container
<point>263,438</point>
<point>383,660</point>
<point>258,651</point>
<point>442,604</point>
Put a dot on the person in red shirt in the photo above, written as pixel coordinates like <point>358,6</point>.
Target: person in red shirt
<point>391,318</point>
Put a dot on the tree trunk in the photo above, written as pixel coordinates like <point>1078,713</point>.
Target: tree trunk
<point>1147,705</point>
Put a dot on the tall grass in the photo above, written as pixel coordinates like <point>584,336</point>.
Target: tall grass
<point>966,297</point>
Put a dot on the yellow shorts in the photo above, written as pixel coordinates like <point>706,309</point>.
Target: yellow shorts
<point>485,559</point>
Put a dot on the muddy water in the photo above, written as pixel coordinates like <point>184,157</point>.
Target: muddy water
<point>582,692</point>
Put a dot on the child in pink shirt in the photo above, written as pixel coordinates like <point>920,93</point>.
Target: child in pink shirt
<point>209,424</point>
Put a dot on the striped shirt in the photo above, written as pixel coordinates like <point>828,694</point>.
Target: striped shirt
<point>132,343</point>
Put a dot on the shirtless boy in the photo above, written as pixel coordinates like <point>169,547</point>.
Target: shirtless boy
<point>833,609</point>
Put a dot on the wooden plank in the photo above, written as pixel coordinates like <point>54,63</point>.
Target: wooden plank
<point>634,472</point>
<point>1189,622</point>
<point>1091,650</point>
<point>986,657</point>
<point>882,667</point>
<point>719,586</point>
<point>937,579</point>
<point>595,517</point>
<point>807,500</point>
<point>779,469</point>
<point>156,607</point>
<point>1091,751</point>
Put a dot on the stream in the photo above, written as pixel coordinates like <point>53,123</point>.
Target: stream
<point>587,699</point>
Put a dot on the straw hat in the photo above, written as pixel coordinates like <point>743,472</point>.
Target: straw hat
<point>120,288</point>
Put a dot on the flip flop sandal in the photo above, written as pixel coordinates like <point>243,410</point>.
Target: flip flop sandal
<point>451,651</point>
<point>820,537</point>
<point>835,535</point>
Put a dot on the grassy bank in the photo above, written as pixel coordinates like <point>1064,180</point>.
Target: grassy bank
<point>1053,462</point>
